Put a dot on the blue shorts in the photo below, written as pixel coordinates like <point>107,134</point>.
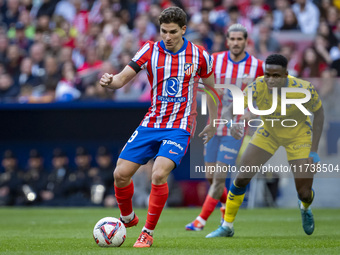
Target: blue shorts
<point>223,149</point>
<point>146,143</point>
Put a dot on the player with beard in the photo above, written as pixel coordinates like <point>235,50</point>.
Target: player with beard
<point>234,67</point>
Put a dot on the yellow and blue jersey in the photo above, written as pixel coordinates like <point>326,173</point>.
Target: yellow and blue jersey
<point>263,97</point>
<point>297,139</point>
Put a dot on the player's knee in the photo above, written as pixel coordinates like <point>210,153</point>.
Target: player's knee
<point>120,177</point>
<point>158,177</point>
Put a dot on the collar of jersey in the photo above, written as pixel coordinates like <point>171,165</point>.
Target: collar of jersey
<point>185,44</point>
<point>244,59</point>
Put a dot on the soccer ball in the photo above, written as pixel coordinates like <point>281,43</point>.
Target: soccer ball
<point>109,232</point>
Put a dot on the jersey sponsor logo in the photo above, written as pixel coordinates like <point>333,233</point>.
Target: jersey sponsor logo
<point>171,99</point>
<point>188,68</point>
<point>173,143</point>
<point>173,152</point>
<point>224,148</point>
<point>299,146</point>
<point>172,86</point>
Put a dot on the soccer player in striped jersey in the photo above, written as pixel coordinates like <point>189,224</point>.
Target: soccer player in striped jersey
<point>238,68</point>
<point>300,140</point>
<point>173,67</point>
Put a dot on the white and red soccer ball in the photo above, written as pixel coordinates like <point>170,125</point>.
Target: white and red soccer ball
<point>109,232</point>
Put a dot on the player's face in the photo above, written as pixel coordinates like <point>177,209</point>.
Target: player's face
<point>172,36</point>
<point>236,43</point>
<point>275,76</point>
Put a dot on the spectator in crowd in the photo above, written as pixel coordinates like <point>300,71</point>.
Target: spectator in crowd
<point>67,87</point>
<point>37,54</point>
<point>32,180</point>
<point>13,60</point>
<point>321,45</point>
<point>278,13</point>
<point>53,192</point>
<point>55,44</point>
<point>66,32</point>
<point>9,181</point>
<point>312,65</point>
<point>105,177</point>
<point>103,48</point>
<point>66,9</point>
<point>289,51</point>
<point>332,16</point>
<point>8,89</point>
<point>326,31</point>
<point>3,47</point>
<point>257,10</point>
<point>289,21</point>
<point>79,52</point>
<point>265,42</point>
<point>77,188</point>
<point>11,16</point>
<point>236,17</point>
<point>65,55</point>
<point>26,78</point>
<point>47,8</point>
<point>20,38</point>
<point>324,6</point>
<point>81,20</point>
<point>304,10</point>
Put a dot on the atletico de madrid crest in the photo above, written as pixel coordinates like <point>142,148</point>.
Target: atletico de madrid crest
<point>188,68</point>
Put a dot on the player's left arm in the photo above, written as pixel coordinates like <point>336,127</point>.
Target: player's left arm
<point>317,131</point>
<point>210,130</point>
<point>315,106</point>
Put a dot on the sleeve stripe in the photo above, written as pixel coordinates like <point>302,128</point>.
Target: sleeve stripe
<point>141,52</point>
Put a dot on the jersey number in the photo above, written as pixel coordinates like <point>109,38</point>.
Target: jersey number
<point>133,136</point>
<point>263,132</point>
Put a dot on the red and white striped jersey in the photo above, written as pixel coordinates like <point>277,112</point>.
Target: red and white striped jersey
<point>240,74</point>
<point>173,79</point>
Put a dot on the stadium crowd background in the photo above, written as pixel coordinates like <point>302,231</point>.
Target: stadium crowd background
<point>55,51</point>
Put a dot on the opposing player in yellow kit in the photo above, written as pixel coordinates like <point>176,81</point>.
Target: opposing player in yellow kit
<point>301,141</point>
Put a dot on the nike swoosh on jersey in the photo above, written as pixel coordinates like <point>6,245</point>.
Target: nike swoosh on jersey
<point>173,152</point>
<point>158,67</point>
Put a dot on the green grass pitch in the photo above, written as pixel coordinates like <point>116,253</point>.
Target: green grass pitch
<point>258,231</point>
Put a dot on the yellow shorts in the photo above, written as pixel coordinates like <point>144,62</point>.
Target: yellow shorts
<point>297,147</point>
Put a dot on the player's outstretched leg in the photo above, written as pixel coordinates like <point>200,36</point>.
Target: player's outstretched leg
<point>307,215</point>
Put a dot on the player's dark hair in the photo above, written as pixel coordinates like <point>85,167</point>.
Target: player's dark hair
<point>277,59</point>
<point>237,28</point>
<point>173,15</point>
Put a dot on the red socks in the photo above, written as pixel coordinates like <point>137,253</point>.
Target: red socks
<point>210,204</point>
<point>208,207</point>
<point>158,196</point>
<point>223,198</point>
<point>124,199</point>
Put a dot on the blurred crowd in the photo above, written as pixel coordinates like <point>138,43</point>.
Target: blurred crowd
<point>56,50</point>
<point>61,182</point>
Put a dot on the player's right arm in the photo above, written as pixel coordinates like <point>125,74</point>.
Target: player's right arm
<point>119,80</point>
<point>137,63</point>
